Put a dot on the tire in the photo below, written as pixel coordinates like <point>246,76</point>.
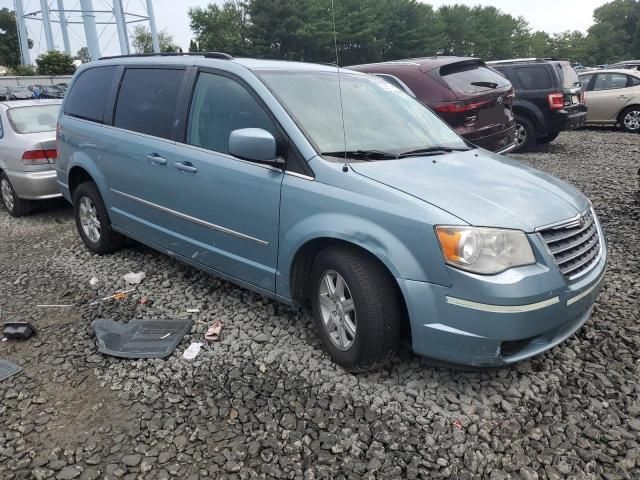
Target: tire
<point>17,207</point>
<point>630,119</point>
<point>525,134</point>
<point>549,137</point>
<point>92,220</point>
<point>376,317</point>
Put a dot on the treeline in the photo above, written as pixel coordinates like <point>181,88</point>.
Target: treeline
<point>378,30</point>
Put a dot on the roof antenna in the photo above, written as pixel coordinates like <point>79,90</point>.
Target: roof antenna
<point>345,167</point>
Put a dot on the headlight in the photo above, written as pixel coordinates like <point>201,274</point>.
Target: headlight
<point>484,250</point>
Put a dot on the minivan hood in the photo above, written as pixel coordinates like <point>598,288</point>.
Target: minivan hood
<point>481,188</point>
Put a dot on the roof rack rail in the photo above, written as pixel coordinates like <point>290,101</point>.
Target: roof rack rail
<point>220,55</point>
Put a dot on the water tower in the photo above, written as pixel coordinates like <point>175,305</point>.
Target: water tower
<point>85,14</point>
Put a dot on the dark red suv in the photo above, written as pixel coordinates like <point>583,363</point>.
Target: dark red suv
<point>472,98</point>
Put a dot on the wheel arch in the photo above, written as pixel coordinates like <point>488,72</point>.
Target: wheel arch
<point>529,110</point>
<point>77,175</point>
<point>624,109</point>
<point>302,264</point>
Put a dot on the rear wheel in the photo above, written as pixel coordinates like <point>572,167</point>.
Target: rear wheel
<point>630,119</point>
<point>16,206</point>
<point>525,134</point>
<point>92,220</point>
<point>549,137</point>
<point>356,308</point>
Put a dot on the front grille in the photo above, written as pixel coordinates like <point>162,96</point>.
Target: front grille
<point>575,244</point>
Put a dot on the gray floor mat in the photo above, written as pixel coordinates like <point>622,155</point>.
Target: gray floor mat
<point>140,338</point>
<point>7,369</point>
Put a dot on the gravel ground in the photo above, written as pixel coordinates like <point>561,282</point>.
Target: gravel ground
<point>266,402</point>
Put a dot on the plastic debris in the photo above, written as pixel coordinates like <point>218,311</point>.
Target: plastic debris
<point>18,330</point>
<point>94,281</point>
<point>193,310</point>
<point>458,425</point>
<point>144,300</point>
<point>119,295</point>
<point>56,306</point>
<point>193,351</point>
<point>134,278</point>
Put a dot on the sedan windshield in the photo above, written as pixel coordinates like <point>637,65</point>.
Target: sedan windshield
<point>34,119</point>
<point>377,115</point>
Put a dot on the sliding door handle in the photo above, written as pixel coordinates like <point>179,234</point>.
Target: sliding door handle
<point>185,167</point>
<point>156,159</point>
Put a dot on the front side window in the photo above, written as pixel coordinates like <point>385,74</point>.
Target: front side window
<point>88,95</point>
<point>33,119</point>
<point>147,101</point>
<point>610,81</point>
<point>377,115</point>
<point>219,106</point>
<point>534,78</point>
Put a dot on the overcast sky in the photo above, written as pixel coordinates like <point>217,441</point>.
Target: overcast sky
<point>549,15</point>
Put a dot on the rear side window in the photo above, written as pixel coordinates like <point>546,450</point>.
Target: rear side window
<point>221,105</point>
<point>568,75</point>
<point>585,79</point>
<point>610,81</point>
<point>34,119</point>
<point>472,78</point>
<point>147,100</point>
<point>534,78</point>
<point>88,95</point>
<point>635,81</point>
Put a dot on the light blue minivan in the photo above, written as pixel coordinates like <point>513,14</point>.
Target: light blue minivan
<point>331,188</point>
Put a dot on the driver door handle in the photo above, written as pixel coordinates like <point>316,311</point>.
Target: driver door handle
<point>185,167</point>
<point>156,159</point>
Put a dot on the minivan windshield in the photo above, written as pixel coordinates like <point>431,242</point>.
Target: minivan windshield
<point>34,119</point>
<point>378,117</point>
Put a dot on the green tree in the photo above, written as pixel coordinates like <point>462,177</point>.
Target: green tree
<point>9,44</point>
<point>193,46</point>
<point>55,63</point>
<point>615,33</point>
<point>142,42</point>
<point>83,55</point>
<point>221,28</point>
<point>23,70</point>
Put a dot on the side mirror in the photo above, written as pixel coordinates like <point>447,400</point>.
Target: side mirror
<point>253,144</point>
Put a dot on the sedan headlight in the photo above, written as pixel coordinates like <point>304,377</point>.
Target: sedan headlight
<point>484,250</point>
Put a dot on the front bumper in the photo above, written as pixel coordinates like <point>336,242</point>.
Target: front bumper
<point>39,185</point>
<point>501,319</point>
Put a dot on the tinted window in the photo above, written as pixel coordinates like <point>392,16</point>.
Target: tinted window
<point>34,119</point>
<point>635,81</point>
<point>88,95</point>
<point>147,100</point>
<point>221,105</point>
<point>472,78</point>
<point>567,74</point>
<point>610,81</point>
<point>534,78</point>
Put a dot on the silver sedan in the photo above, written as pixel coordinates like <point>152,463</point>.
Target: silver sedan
<point>27,153</point>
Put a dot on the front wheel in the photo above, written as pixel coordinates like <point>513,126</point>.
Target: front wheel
<point>630,119</point>
<point>356,308</point>
<point>16,206</point>
<point>93,221</point>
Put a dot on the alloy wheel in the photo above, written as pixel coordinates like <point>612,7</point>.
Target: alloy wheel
<point>337,310</point>
<point>89,219</point>
<point>521,134</point>
<point>632,120</point>
<point>7,194</point>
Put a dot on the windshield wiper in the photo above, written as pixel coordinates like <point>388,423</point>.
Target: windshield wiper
<point>362,154</point>
<point>485,84</point>
<point>439,150</point>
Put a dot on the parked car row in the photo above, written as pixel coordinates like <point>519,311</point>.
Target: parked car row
<point>33,91</point>
<point>331,188</point>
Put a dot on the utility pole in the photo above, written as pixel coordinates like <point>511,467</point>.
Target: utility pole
<point>152,27</point>
<point>22,33</point>
<point>46,23</point>
<point>63,26</point>
<point>90,32</point>
<point>123,37</point>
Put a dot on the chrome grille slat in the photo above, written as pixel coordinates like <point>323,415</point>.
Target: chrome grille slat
<point>575,246</point>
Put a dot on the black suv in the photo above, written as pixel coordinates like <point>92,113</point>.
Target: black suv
<point>549,98</point>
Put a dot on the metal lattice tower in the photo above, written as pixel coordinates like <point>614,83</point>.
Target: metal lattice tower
<point>87,16</point>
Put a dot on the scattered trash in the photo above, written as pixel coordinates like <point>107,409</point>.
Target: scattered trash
<point>8,369</point>
<point>213,333</point>
<point>144,301</point>
<point>192,352</point>
<point>233,414</point>
<point>18,330</point>
<point>94,281</point>
<point>193,310</point>
<point>56,306</point>
<point>134,278</point>
<point>458,425</point>
<point>140,338</point>
<point>119,295</point>
<point>263,368</point>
